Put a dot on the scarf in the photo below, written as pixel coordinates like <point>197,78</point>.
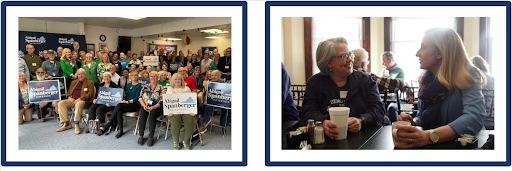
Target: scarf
<point>431,92</point>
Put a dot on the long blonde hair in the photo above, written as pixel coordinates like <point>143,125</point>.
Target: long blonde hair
<point>63,57</point>
<point>453,72</point>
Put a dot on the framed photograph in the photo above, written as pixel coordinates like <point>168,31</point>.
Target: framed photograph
<point>153,48</point>
<point>90,47</point>
<point>102,45</point>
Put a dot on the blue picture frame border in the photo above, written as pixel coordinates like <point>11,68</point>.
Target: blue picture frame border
<point>243,4</point>
<point>269,4</point>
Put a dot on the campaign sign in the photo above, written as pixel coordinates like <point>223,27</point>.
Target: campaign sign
<point>219,95</point>
<point>43,91</point>
<point>143,81</point>
<point>180,103</point>
<point>112,96</point>
<point>62,85</point>
<point>150,60</point>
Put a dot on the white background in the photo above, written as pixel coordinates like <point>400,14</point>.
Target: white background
<point>256,112</point>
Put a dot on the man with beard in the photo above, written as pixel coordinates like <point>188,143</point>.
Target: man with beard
<point>43,106</point>
<point>51,66</point>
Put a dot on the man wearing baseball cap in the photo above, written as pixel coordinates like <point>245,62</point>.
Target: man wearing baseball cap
<point>52,66</point>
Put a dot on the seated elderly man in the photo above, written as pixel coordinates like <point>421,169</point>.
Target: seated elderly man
<point>43,107</point>
<point>225,117</point>
<point>80,96</point>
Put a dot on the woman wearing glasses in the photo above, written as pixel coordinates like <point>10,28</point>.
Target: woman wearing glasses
<point>150,100</point>
<point>450,102</point>
<point>338,85</point>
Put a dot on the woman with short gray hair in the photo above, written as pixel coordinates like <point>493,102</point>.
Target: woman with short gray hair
<point>339,85</point>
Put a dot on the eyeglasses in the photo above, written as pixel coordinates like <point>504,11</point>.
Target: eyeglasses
<point>152,76</point>
<point>346,55</point>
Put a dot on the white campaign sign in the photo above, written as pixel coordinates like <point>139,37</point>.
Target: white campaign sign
<point>150,60</point>
<point>180,103</point>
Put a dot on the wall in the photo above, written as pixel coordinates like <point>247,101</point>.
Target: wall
<point>223,43</point>
<point>93,33</point>
<point>376,43</point>
<point>33,25</point>
<point>293,49</point>
<point>472,35</point>
<point>191,23</point>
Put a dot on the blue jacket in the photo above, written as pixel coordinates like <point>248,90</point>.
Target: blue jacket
<point>363,98</point>
<point>21,102</point>
<point>289,110</point>
<point>463,110</point>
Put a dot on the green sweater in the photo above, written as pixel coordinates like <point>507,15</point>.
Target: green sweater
<point>395,72</point>
<point>90,73</point>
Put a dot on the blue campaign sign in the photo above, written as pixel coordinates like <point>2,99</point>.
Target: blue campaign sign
<point>43,91</point>
<point>143,81</point>
<point>112,96</point>
<point>44,41</point>
<point>219,95</point>
<point>62,85</point>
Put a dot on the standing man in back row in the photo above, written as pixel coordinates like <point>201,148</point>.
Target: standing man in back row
<point>392,70</point>
<point>33,61</point>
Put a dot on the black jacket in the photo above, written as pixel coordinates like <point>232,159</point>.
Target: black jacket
<point>363,98</point>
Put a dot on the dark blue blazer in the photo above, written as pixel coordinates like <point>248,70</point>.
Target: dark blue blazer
<point>363,98</point>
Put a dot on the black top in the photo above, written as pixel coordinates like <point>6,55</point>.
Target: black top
<point>112,85</point>
<point>119,67</point>
<point>338,95</point>
<point>224,64</point>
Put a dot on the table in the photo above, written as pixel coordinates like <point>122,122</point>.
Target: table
<point>353,140</point>
<point>382,140</point>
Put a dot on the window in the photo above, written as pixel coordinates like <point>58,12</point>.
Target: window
<point>330,27</point>
<point>494,38</point>
<point>407,34</point>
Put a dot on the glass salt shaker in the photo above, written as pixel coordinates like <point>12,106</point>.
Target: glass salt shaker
<point>319,133</point>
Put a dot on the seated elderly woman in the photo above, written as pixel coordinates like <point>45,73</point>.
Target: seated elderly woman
<point>150,100</point>
<point>225,117</point>
<point>101,109</point>
<point>178,86</point>
<point>450,102</point>
<point>162,75</point>
<point>339,85</point>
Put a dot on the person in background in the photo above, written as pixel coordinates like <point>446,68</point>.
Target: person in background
<point>195,62</point>
<point>130,104</point>
<point>481,64</point>
<point>100,110</point>
<point>117,64</point>
<point>199,54</point>
<point>181,56</point>
<point>111,54</point>
<point>215,61</point>
<point>150,100</point>
<point>129,55</point>
<point>24,107</point>
<point>391,69</point>
<point>22,66</point>
<point>206,68</point>
<point>68,66</point>
<point>74,56</point>
<point>189,82</point>
<point>162,75</point>
<point>289,112</point>
<point>225,62</point>
<point>188,59</point>
<point>339,85</point>
<point>392,85</point>
<point>161,61</point>
<point>123,61</point>
<point>107,52</point>
<point>82,56</point>
<point>165,68</point>
<point>76,47</point>
<point>141,56</point>
<point>92,53</point>
<point>80,95</point>
<point>90,69</point>
<point>125,79</point>
<point>103,67</point>
<point>206,61</point>
<point>45,56</point>
<point>135,60</point>
<point>178,86</point>
<point>51,66</point>
<point>114,76</point>
<point>198,78</point>
<point>450,102</point>
<point>173,63</point>
<point>133,68</point>
<point>59,51</point>
<point>32,60</point>
<point>144,73</point>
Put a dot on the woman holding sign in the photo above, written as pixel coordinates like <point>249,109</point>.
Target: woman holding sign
<point>130,104</point>
<point>101,109</point>
<point>24,107</point>
<point>178,86</point>
<point>150,100</point>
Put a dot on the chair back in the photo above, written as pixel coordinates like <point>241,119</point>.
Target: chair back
<point>489,104</point>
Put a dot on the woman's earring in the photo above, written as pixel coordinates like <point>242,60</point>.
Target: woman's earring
<point>330,69</point>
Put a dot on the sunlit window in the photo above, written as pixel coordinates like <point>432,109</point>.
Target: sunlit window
<point>330,27</point>
<point>407,34</point>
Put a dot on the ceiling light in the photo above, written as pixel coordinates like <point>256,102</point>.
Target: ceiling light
<point>214,30</point>
<point>173,39</point>
<point>212,37</point>
<point>134,18</point>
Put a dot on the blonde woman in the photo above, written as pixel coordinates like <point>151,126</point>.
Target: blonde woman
<point>68,66</point>
<point>103,67</point>
<point>450,100</point>
<point>178,86</point>
<point>150,100</point>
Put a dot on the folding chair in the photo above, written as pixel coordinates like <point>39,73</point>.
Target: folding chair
<point>85,114</point>
<point>162,119</point>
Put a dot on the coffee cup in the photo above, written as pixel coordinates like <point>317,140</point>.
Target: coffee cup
<point>394,131</point>
<point>339,116</point>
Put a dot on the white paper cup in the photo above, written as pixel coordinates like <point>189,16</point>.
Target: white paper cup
<point>394,131</point>
<point>339,116</point>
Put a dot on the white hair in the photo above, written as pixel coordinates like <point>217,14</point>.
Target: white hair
<point>216,72</point>
<point>108,74</point>
<point>81,70</point>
